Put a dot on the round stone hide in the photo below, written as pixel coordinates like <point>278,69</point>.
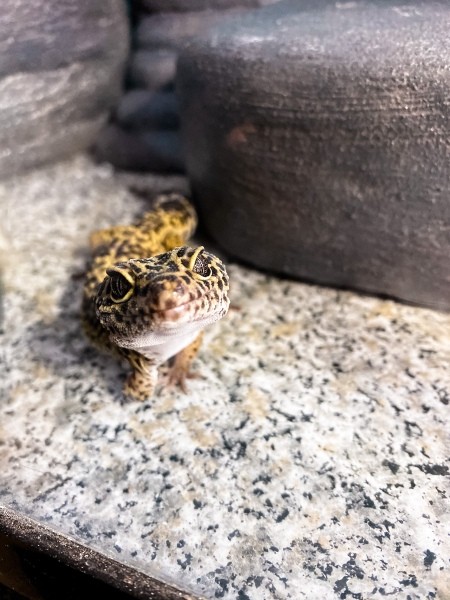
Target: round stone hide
<point>147,150</point>
<point>144,109</point>
<point>153,69</point>
<point>172,30</point>
<point>61,68</point>
<point>317,138</point>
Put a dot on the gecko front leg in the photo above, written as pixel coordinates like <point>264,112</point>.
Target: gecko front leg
<point>179,369</point>
<point>141,383</point>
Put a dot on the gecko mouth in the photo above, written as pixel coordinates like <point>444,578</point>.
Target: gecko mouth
<point>175,307</point>
<point>173,312</point>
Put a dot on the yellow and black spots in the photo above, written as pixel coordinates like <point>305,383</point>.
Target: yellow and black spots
<point>147,295</point>
<point>141,382</point>
<point>158,295</point>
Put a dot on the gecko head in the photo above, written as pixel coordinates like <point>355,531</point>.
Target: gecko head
<point>145,301</point>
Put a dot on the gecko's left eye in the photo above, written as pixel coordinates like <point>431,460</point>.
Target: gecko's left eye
<point>201,267</point>
<point>198,263</point>
<point>121,286</point>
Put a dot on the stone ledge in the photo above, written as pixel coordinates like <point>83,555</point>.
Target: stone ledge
<point>309,460</point>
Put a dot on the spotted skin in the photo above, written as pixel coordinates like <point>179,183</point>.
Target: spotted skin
<point>148,296</point>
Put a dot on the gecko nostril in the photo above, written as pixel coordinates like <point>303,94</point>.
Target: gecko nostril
<point>167,295</point>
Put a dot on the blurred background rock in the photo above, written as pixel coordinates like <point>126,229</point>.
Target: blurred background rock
<point>64,68</point>
<point>143,134</point>
<point>318,142</point>
<point>61,72</point>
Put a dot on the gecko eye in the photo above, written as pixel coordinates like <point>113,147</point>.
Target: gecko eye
<point>198,263</point>
<point>121,286</point>
<point>201,267</point>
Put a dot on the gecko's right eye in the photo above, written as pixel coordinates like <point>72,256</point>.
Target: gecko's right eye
<point>121,286</point>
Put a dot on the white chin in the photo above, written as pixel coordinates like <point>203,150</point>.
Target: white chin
<point>166,333</point>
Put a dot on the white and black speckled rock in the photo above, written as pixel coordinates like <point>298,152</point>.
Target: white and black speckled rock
<point>146,150</point>
<point>309,461</point>
<point>61,69</point>
<point>324,127</point>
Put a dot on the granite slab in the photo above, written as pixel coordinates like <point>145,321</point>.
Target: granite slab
<point>309,460</point>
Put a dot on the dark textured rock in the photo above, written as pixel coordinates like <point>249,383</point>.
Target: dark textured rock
<point>156,151</point>
<point>153,69</point>
<point>142,109</point>
<point>188,5</point>
<point>172,30</point>
<point>61,67</point>
<point>318,142</point>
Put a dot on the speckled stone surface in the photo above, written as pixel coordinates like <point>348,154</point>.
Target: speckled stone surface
<point>310,460</point>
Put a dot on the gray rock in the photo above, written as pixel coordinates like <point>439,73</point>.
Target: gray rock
<point>153,69</point>
<point>151,185</point>
<point>61,68</point>
<point>172,30</point>
<point>318,142</point>
<point>143,109</point>
<point>190,5</point>
<point>156,151</point>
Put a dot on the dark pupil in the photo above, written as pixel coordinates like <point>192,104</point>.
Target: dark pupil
<point>119,286</point>
<point>201,267</point>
